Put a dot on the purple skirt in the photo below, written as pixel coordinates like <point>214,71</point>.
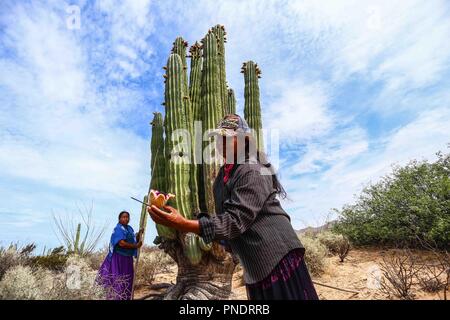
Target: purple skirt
<point>289,280</point>
<point>116,275</point>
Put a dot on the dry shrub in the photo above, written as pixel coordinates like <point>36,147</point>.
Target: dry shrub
<point>151,262</point>
<point>435,277</point>
<point>75,282</point>
<point>95,259</point>
<point>337,244</point>
<point>315,254</point>
<point>399,271</point>
<point>19,283</point>
<point>329,240</point>
<point>431,278</point>
<point>13,256</point>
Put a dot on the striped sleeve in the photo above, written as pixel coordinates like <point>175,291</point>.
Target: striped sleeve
<point>207,228</point>
<point>247,198</point>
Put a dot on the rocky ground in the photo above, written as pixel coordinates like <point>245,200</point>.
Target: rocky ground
<point>354,275</point>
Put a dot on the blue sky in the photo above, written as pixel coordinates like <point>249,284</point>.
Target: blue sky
<point>351,87</point>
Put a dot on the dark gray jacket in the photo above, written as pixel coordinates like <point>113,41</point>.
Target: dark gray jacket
<point>251,218</point>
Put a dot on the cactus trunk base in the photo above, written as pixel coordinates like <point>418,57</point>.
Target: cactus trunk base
<point>211,279</point>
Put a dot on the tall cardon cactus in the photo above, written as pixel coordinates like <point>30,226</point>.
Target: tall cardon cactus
<point>204,270</point>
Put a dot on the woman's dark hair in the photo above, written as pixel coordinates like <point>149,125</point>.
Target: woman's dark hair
<point>123,212</point>
<point>261,157</point>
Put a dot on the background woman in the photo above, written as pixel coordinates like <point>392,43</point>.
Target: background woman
<point>117,273</point>
<point>250,219</point>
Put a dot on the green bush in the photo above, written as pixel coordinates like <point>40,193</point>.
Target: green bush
<point>411,203</point>
<point>53,260</point>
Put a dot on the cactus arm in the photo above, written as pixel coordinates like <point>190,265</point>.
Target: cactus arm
<point>211,114</point>
<point>252,107</point>
<point>219,31</point>
<point>158,164</point>
<point>231,107</point>
<point>77,239</point>
<point>176,148</point>
<point>204,246</point>
<point>191,248</point>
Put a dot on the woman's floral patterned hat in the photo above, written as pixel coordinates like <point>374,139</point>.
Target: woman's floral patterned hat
<point>231,125</point>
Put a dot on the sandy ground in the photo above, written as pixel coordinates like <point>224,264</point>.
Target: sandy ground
<point>358,273</point>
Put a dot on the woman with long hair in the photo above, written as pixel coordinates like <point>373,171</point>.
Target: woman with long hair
<point>249,218</point>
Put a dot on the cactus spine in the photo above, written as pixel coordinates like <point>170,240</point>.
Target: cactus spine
<point>231,106</point>
<point>252,107</point>
<point>176,148</point>
<point>211,114</point>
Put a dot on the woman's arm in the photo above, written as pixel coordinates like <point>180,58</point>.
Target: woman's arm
<point>173,219</point>
<point>248,196</point>
<point>127,245</point>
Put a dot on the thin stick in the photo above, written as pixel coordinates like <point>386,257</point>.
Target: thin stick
<point>148,205</point>
<point>142,225</point>
<point>336,288</point>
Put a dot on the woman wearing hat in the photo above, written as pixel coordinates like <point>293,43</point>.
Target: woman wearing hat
<point>249,217</point>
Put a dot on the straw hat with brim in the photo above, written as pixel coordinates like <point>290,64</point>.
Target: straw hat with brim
<point>231,125</point>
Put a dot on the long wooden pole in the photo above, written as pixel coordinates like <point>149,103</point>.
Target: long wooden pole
<point>336,288</point>
<point>142,225</point>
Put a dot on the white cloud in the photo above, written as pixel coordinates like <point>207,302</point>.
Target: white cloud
<point>352,165</point>
<point>401,43</point>
<point>128,24</point>
<point>400,46</point>
<point>336,147</point>
<point>57,127</point>
<point>299,113</point>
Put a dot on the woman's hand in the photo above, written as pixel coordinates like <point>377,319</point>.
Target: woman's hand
<point>139,234</point>
<point>172,219</point>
